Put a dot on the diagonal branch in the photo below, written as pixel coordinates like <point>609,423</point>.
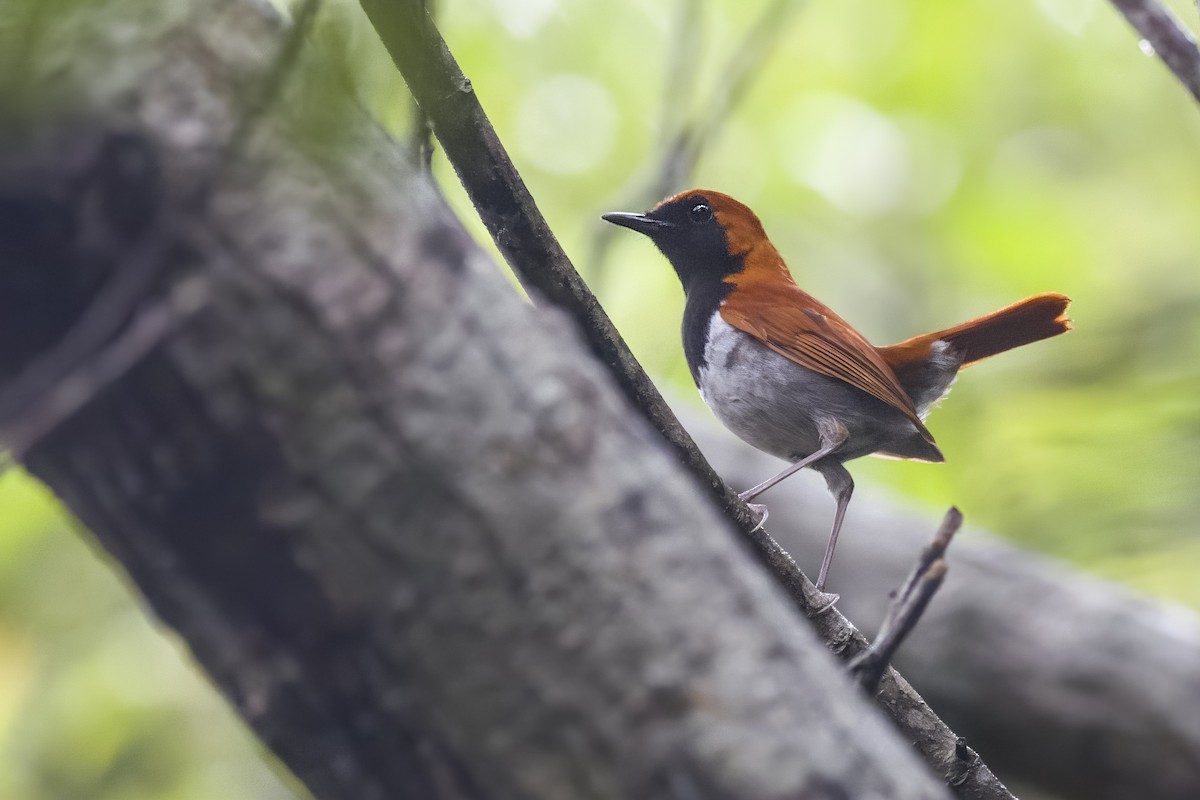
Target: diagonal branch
<point>527,243</point>
<point>1170,40</point>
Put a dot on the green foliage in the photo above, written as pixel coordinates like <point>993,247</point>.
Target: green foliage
<point>96,704</point>
<point>917,163</point>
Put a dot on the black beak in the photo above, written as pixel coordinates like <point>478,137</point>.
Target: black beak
<point>638,222</point>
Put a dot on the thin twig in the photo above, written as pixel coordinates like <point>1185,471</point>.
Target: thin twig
<point>680,84</point>
<point>684,138</point>
<point>263,96</point>
<point>73,390</point>
<point>1170,39</point>
<point>738,75</point>
<point>935,550</point>
<point>104,342</point>
<point>907,606</point>
<point>143,264</point>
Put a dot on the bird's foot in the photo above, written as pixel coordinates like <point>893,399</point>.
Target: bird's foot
<point>758,512</point>
<point>821,601</point>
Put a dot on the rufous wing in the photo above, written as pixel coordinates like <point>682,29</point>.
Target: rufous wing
<point>794,324</point>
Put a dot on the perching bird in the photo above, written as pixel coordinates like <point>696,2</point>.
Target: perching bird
<point>792,378</point>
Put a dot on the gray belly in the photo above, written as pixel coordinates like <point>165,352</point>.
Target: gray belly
<point>773,403</point>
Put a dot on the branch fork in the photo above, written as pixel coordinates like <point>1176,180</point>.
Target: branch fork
<point>907,606</point>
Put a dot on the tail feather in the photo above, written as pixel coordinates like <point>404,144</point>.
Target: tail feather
<point>1024,322</point>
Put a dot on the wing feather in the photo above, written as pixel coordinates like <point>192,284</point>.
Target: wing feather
<point>798,327</point>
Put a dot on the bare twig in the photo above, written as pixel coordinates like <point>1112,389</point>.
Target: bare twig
<point>527,243</point>
<point>684,137</point>
<point>115,166</point>
<point>1169,38</point>
<point>113,333</point>
<point>72,391</point>
<point>681,72</point>
<point>268,91</point>
<point>738,75</point>
<point>907,606</point>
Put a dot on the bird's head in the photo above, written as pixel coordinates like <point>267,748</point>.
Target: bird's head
<point>706,235</point>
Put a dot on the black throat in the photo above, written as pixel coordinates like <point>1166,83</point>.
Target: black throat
<point>702,261</point>
<point>705,288</point>
<point>704,298</point>
<point>690,234</point>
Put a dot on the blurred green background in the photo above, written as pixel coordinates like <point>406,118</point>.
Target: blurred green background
<point>916,163</point>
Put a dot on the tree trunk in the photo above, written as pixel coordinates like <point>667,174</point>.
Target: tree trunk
<point>401,518</point>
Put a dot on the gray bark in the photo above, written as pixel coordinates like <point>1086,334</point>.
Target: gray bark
<point>1065,682</point>
<point>406,524</point>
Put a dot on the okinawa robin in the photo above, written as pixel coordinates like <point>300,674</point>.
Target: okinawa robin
<point>789,376</point>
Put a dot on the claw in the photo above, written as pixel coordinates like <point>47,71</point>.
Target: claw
<point>822,602</point>
<point>760,513</point>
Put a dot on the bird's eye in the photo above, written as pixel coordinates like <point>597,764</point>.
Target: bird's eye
<point>700,213</point>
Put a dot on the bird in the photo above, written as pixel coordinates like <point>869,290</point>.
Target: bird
<point>790,377</point>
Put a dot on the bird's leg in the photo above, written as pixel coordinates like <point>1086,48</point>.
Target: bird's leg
<point>833,435</point>
<point>841,485</point>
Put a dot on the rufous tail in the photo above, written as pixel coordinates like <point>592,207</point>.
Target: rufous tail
<point>1024,322</point>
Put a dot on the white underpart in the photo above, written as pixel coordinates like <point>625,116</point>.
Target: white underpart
<point>775,404</point>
